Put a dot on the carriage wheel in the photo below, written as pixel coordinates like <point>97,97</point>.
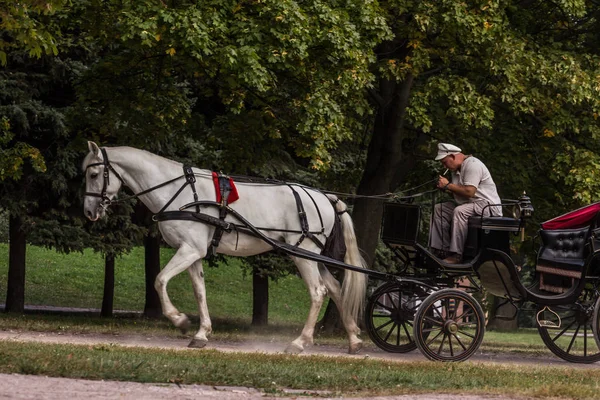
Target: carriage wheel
<point>574,340</point>
<point>596,322</point>
<point>449,326</point>
<point>390,313</point>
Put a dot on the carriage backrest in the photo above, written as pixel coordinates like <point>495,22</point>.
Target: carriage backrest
<point>564,244</point>
<point>561,258</point>
<point>401,223</point>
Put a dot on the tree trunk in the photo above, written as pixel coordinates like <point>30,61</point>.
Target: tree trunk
<point>152,307</point>
<point>260,299</point>
<point>143,217</point>
<point>15,291</point>
<point>389,158</point>
<point>109,286</point>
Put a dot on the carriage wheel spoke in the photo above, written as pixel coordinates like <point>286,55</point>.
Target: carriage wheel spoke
<point>439,313</point>
<point>446,305</point>
<point>573,339</point>
<point>465,314</point>
<point>441,345</point>
<point>390,332</point>
<point>433,321</point>
<point>459,341</point>
<point>563,331</point>
<point>380,327</point>
<point>455,308</point>
<point>584,339</point>
<point>385,307</point>
<point>450,345</point>
<point>467,334</point>
<point>407,333</point>
<point>434,338</point>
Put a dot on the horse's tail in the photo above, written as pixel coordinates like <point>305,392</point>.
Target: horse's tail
<point>354,287</point>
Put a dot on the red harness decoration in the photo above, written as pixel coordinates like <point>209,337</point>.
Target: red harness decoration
<point>233,194</point>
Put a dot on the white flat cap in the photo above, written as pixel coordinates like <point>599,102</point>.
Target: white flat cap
<point>445,149</point>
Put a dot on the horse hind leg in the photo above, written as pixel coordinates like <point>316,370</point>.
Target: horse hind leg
<point>182,259</point>
<point>317,291</point>
<point>197,276</point>
<point>335,292</point>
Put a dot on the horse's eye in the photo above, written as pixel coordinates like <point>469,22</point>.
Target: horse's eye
<point>94,175</point>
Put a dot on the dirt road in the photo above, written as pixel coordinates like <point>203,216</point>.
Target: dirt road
<point>44,388</point>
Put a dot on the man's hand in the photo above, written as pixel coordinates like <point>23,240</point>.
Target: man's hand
<point>442,183</point>
<point>460,190</point>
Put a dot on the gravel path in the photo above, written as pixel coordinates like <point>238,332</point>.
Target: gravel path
<point>44,388</point>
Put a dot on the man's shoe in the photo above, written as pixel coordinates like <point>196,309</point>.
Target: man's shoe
<point>453,259</point>
<point>441,254</point>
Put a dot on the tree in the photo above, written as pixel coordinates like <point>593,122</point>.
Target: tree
<point>283,78</point>
<point>493,77</point>
<point>34,141</point>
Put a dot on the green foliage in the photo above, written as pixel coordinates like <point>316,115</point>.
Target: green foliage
<point>515,89</point>
<point>29,25</point>
<point>12,158</point>
<point>274,73</point>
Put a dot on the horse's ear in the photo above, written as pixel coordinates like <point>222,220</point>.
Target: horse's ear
<point>94,148</point>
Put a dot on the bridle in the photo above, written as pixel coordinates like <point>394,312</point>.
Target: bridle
<point>106,201</point>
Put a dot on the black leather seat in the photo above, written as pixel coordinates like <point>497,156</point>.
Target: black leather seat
<point>565,248</point>
<point>495,223</point>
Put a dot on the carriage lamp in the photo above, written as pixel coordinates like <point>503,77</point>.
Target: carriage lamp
<point>526,211</point>
<point>525,206</point>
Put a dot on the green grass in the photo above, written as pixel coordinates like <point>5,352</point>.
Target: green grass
<point>271,373</point>
<point>76,280</point>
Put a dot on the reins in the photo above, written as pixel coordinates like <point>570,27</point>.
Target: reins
<point>244,179</point>
<point>389,195</point>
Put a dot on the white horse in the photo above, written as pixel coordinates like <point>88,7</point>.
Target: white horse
<point>156,181</point>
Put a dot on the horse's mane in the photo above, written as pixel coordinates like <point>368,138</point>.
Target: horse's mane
<point>90,156</point>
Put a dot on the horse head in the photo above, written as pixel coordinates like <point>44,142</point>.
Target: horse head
<point>102,182</point>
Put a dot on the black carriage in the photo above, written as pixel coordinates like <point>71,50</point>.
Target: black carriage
<point>432,305</point>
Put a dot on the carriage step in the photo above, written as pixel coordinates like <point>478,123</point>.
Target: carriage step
<point>553,323</point>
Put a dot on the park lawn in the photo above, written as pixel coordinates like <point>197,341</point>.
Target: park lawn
<point>339,376</point>
<point>76,280</point>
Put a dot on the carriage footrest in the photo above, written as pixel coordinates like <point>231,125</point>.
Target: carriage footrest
<point>556,279</point>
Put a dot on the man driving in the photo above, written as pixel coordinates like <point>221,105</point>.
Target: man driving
<point>473,189</point>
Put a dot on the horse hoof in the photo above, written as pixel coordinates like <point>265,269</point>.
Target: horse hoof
<point>184,324</point>
<point>355,348</point>
<point>198,343</point>
<point>294,349</point>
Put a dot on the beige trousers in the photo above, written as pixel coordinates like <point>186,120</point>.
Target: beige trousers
<point>450,224</point>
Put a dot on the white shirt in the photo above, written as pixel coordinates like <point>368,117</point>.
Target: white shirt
<point>473,172</point>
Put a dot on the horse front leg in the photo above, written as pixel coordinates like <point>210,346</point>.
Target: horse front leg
<point>317,291</point>
<point>197,276</point>
<point>181,261</point>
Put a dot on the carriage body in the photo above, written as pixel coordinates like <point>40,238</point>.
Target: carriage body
<point>425,309</point>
